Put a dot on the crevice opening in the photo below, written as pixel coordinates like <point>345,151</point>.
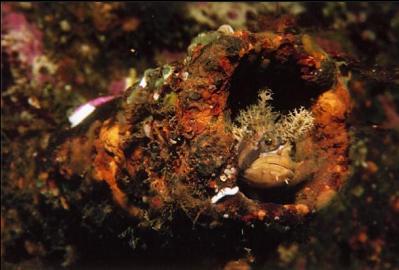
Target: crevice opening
<point>256,72</point>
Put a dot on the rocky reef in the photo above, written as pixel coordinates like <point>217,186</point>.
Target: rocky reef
<point>171,144</point>
<point>244,136</point>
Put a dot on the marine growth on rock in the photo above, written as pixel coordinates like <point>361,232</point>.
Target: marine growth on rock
<point>199,136</point>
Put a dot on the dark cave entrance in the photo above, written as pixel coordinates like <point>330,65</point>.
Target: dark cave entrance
<point>280,195</point>
<point>256,72</point>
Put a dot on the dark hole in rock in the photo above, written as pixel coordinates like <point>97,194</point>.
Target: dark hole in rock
<point>280,195</point>
<point>256,72</point>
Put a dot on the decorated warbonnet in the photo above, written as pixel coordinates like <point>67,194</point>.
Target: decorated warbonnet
<point>266,139</point>
<point>249,127</point>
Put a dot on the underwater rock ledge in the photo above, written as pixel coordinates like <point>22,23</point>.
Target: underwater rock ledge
<point>168,144</point>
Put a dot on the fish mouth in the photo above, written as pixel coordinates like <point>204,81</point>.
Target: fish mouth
<point>269,175</point>
<point>279,165</point>
<point>277,190</point>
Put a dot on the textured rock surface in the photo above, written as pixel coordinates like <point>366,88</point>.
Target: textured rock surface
<point>154,171</point>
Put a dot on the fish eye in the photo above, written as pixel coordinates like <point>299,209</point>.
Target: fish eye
<point>268,141</point>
